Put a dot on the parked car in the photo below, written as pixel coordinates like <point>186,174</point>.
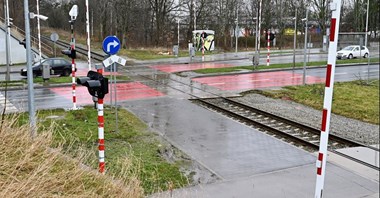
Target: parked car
<point>58,66</point>
<point>352,51</point>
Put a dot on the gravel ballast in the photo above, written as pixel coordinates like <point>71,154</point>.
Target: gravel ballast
<point>352,129</point>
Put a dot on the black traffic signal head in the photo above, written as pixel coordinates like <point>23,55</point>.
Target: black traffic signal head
<point>82,80</point>
<point>70,53</point>
<point>96,84</point>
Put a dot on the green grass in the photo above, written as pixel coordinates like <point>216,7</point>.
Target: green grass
<point>357,99</point>
<point>278,66</point>
<point>152,54</point>
<point>132,141</point>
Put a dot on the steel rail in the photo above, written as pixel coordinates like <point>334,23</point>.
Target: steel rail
<point>301,141</point>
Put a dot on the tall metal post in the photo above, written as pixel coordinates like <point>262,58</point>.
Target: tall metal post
<point>295,40</point>
<point>327,102</point>
<point>88,35</point>
<point>257,58</point>
<point>7,41</point>
<point>236,30</point>
<point>73,66</point>
<point>305,49</point>
<point>255,61</point>
<point>366,26</point>
<point>195,15</point>
<point>39,31</point>
<point>178,34</point>
<point>268,46</point>
<point>31,109</point>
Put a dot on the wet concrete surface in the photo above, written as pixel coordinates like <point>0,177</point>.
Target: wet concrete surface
<point>229,149</point>
<point>297,182</point>
<point>247,162</point>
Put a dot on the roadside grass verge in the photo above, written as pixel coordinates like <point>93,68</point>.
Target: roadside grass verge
<point>31,167</point>
<point>279,66</point>
<point>158,53</point>
<point>144,150</point>
<point>357,99</point>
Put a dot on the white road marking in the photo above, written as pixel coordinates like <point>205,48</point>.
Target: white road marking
<point>9,105</point>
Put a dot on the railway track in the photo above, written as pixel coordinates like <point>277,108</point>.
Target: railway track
<point>80,50</point>
<point>292,132</point>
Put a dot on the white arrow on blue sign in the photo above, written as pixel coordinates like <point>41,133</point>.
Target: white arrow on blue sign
<point>111,45</point>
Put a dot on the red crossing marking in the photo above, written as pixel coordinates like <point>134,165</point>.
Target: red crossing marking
<point>172,68</point>
<point>257,80</point>
<point>125,91</point>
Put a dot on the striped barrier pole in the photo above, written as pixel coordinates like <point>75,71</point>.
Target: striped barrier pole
<point>327,103</point>
<point>88,35</point>
<point>268,39</point>
<point>101,146</point>
<point>73,67</point>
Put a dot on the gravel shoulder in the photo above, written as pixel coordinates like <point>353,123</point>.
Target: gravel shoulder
<point>363,132</point>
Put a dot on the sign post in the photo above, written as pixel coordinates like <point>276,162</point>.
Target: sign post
<point>54,37</point>
<point>111,45</point>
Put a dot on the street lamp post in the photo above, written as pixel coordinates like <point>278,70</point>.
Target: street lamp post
<point>305,47</point>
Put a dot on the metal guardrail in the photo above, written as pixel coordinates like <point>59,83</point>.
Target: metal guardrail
<point>19,34</point>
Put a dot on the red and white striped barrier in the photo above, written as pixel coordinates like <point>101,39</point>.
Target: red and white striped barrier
<point>73,66</point>
<point>101,146</point>
<point>268,46</point>
<point>327,103</point>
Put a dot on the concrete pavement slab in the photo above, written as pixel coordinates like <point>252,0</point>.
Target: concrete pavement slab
<point>298,182</point>
<point>228,148</point>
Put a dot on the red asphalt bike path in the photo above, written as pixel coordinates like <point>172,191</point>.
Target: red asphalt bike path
<point>125,91</point>
<point>257,80</point>
<point>240,81</point>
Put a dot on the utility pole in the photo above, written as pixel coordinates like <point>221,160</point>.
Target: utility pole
<point>31,109</point>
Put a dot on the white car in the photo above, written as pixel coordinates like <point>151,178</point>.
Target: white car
<point>352,51</point>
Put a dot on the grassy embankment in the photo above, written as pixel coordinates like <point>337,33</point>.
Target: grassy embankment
<point>35,168</point>
<point>357,99</point>
<point>133,154</point>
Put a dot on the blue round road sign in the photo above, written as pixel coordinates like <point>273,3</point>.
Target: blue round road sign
<point>111,45</point>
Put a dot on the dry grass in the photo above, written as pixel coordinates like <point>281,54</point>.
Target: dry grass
<point>31,168</point>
